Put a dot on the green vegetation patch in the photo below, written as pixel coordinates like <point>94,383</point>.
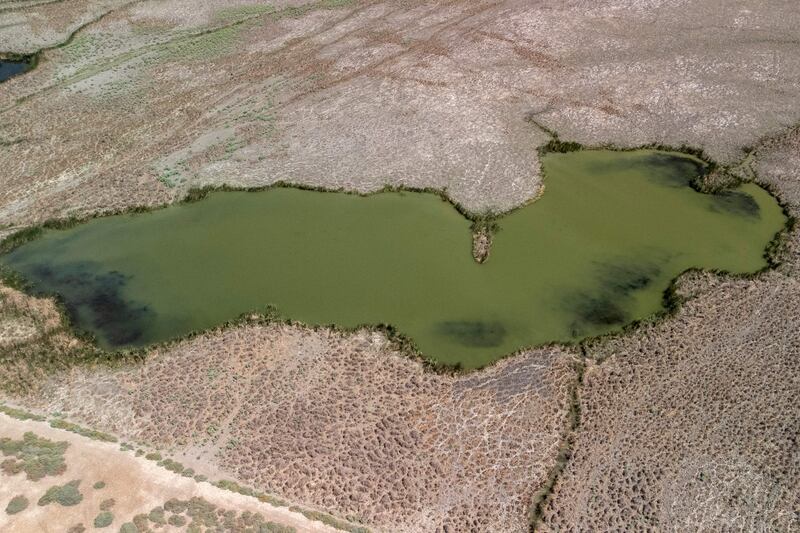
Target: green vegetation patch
<point>99,485</point>
<point>19,414</point>
<point>36,456</point>
<point>17,504</point>
<point>60,423</point>
<point>66,495</point>
<point>104,519</point>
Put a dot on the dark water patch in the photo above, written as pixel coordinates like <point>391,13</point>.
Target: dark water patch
<point>599,311</point>
<point>672,170</point>
<point>10,68</point>
<point>473,333</point>
<point>94,298</point>
<point>622,279</point>
<point>736,203</point>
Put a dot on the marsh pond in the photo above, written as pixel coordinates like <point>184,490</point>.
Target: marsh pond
<point>10,68</point>
<point>596,251</point>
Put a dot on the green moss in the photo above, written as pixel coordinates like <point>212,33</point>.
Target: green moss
<point>66,495</point>
<point>17,504</point>
<point>104,519</point>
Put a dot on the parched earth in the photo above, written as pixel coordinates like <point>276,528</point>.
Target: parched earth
<point>686,423</point>
<point>158,97</point>
<point>341,422</point>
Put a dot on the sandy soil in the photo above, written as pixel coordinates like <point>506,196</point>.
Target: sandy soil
<point>136,484</point>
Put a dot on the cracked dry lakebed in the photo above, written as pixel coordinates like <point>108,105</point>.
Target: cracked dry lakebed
<point>596,251</point>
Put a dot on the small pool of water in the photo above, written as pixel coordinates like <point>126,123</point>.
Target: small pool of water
<point>9,69</point>
<point>594,253</point>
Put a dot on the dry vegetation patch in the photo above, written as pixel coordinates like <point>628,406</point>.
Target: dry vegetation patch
<point>173,95</point>
<point>342,422</point>
<point>691,423</point>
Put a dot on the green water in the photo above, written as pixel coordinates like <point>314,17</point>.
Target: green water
<point>595,252</point>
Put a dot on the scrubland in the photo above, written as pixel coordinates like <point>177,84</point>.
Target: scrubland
<point>685,422</point>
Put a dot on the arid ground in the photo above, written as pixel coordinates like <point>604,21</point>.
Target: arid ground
<point>687,422</point>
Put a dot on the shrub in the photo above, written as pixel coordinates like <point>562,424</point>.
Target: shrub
<point>77,528</point>
<point>66,495</point>
<point>19,414</point>
<point>99,485</point>
<point>104,519</point>
<point>17,504</point>
<point>59,423</point>
<point>174,505</point>
<point>106,505</point>
<point>157,516</point>
<point>37,457</point>
<point>128,527</point>
<point>177,520</point>
<point>153,456</point>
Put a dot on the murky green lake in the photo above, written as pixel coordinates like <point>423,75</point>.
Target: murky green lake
<point>595,252</point>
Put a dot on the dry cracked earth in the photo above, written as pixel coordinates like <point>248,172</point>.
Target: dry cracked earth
<point>688,422</point>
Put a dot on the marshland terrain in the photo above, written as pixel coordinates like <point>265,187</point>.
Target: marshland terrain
<point>684,420</point>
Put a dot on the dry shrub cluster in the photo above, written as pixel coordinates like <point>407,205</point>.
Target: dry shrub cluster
<point>691,424</point>
<point>33,342</point>
<point>171,95</point>
<point>344,423</point>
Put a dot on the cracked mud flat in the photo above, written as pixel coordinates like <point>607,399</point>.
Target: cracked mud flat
<point>443,96</point>
<point>340,422</point>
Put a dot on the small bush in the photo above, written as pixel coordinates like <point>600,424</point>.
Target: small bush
<point>106,505</point>
<point>174,505</point>
<point>99,485</point>
<point>128,527</point>
<point>59,423</point>
<point>66,495</point>
<point>104,519</point>
<point>37,457</point>
<point>157,516</point>
<point>177,520</point>
<point>17,504</point>
<point>19,414</point>
<point>77,528</point>
<point>153,456</point>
